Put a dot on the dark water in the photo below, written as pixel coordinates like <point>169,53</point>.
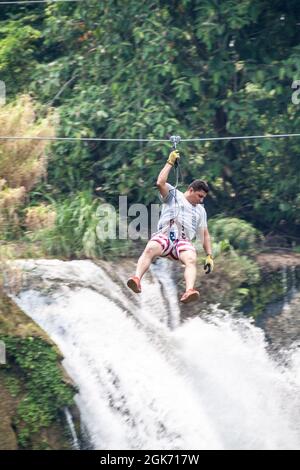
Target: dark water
<point>280,315</point>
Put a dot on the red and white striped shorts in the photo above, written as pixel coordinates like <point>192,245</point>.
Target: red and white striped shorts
<point>172,248</point>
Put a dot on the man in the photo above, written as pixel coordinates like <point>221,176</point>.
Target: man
<point>183,218</point>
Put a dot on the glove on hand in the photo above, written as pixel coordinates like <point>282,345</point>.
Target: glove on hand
<point>209,264</point>
<point>173,157</point>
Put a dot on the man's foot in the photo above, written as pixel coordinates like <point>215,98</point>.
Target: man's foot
<point>190,296</point>
<point>134,284</point>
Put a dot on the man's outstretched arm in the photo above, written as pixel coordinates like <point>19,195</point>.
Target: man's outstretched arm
<point>209,262</point>
<point>163,175</point>
<point>207,243</point>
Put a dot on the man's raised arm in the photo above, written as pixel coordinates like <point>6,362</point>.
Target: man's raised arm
<point>163,175</point>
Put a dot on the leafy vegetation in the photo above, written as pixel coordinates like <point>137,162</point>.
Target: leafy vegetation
<point>74,234</point>
<point>234,244</point>
<point>194,68</point>
<point>22,163</point>
<point>191,67</point>
<point>240,235</point>
<point>33,373</point>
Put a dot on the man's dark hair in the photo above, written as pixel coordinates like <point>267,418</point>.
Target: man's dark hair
<point>198,185</point>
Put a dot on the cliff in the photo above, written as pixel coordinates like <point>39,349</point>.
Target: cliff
<point>34,389</point>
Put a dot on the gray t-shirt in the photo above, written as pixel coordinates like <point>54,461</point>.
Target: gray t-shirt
<point>179,218</point>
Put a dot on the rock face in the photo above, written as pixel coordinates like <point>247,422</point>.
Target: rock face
<point>25,426</point>
<point>283,329</point>
<point>32,370</point>
<point>278,260</point>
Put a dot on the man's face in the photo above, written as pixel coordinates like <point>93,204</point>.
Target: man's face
<point>197,197</point>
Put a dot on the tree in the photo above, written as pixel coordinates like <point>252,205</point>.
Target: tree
<point>190,67</point>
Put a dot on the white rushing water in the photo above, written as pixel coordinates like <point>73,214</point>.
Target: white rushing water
<point>147,382</point>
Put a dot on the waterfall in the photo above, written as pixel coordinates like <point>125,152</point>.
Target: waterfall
<point>71,426</point>
<point>147,381</point>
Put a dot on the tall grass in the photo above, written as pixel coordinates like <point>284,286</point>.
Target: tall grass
<point>23,163</point>
<point>74,234</point>
<point>64,229</point>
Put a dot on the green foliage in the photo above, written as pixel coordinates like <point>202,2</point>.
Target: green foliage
<point>260,295</point>
<point>244,273</point>
<point>46,393</point>
<point>194,68</point>
<point>238,233</point>
<point>74,234</point>
<point>22,164</point>
<point>241,269</point>
<point>17,43</point>
<point>13,385</point>
<point>232,281</point>
<point>220,247</point>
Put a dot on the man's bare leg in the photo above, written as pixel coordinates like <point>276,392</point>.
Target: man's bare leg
<point>189,259</point>
<point>152,250</point>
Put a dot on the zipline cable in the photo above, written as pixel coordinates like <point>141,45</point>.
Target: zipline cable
<point>244,137</point>
<point>103,139</point>
<point>88,139</point>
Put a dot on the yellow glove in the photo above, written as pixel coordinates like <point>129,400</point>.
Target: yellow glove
<point>209,264</point>
<point>173,157</point>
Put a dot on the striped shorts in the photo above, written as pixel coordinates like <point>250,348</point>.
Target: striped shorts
<point>172,248</point>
